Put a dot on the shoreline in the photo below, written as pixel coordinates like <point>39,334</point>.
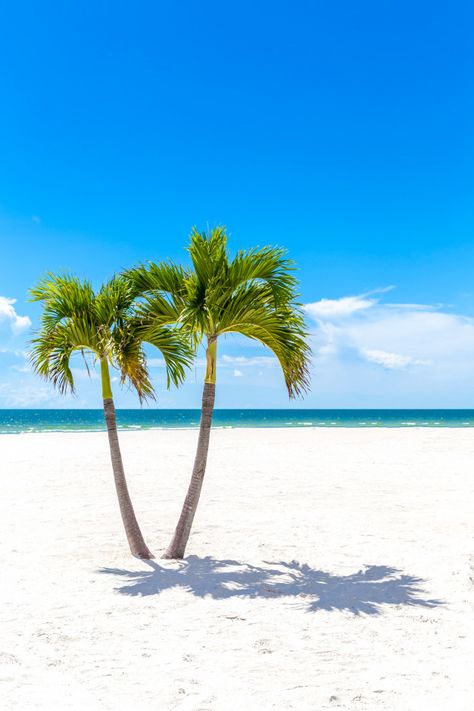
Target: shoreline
<point>221,428</point>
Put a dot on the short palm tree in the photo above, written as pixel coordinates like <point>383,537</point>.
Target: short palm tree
<point>253,294</point>
<point>104,323</point>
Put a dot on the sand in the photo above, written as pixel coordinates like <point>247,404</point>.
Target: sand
<point>327,569</point>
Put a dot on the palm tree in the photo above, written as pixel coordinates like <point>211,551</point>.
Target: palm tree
<point>75,318</point>
<point>253,294</point>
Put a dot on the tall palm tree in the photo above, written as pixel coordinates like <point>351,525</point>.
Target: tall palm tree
<point>253,294</point>
<point>104,323</point>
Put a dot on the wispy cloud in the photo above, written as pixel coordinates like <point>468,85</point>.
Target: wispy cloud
<point>338,308</point>
<point>14,351</point>
<point>249,362</point>
<point>392,361</point>
<point>333,309</point>
<point>23,368</point>
<point>227,361</point>
<point>22,394</point>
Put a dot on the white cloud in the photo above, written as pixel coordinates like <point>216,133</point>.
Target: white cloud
<point>8,313</point>
<point>334,309</point>
<point>337,308</point>
<point>156,362</point>
<point>24,368</point>
<point>416,307</point>
<point>392,361</point>
<point>246,362</point>
<point>15,352</point>
<point>237,373</point>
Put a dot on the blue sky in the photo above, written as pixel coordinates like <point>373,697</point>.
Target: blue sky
<point>343,131</point>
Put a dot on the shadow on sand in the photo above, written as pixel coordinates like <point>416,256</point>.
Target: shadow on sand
<point>364,592</point>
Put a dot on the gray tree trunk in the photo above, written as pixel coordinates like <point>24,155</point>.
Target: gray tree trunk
<point>135,539</point>
<point>178,544</point>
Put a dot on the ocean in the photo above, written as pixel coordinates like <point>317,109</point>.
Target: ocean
<point>17,421</point>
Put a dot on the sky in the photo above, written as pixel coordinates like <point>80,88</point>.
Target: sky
<point>342,131</point>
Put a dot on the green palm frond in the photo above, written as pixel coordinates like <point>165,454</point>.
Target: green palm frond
<point>63,297</point>
<point>208,252</point>
<point>128,356</point>
<point>175,347</point>
<point>157,306</point>
<point>50,355</point>
<point>283,332</point>
<point>166,278</point>
<point>113,302</point>
<point>268,265</point>
<point>160,292</point>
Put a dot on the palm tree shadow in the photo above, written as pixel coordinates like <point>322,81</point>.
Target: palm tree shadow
<point>364,592</point>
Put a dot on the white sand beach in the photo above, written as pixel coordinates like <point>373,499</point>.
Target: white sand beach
<point>327,569</point>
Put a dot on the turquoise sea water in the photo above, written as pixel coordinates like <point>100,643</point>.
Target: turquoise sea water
<point>16,421</point>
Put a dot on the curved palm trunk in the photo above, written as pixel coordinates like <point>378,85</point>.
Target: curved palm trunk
<point>137,544</point>
<point>178,544</point>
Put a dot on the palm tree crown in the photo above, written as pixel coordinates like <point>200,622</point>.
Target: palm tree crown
<point>75,318</point>
<point>253,294</point>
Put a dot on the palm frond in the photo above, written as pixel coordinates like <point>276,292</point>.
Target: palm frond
<point>176,348</point>
<point>166,277</point>
<point>268,265</point>
<point>63,297</point>
<point>159,290</point>
<point>208,252</point>
<point>50,355</point>
<point>127,355</point>
<point>113,302</point>
<point>155,306</point>
<point>252,313</point>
